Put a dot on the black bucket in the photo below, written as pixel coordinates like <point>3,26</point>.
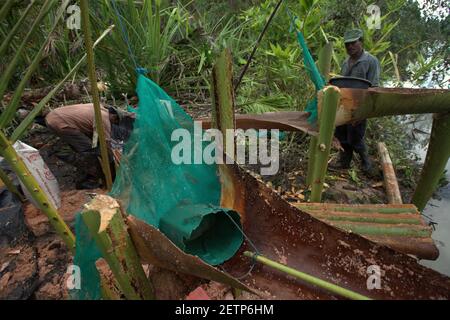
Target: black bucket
<point>350,82</point>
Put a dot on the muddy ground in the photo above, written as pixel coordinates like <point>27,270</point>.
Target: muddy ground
<point>34,264</point>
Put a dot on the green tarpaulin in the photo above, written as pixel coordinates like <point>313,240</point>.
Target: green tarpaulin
<point>181,200</point>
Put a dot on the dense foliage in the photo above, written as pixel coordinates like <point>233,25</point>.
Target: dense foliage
<point>177,41</point>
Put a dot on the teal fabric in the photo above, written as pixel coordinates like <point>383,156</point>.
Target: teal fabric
<point>313,72</point>
<point>86,255</point>
<point>314,75</point>
<point>182,201</point>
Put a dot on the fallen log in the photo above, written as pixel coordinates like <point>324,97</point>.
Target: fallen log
<point>390,179</point>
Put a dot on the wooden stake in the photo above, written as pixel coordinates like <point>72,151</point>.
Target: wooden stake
<point>18,166</point>
<point>437,157</point>
<point>94,92</point>
<point>104,220</point>
<point>390,179</point>
<point>329,98</point>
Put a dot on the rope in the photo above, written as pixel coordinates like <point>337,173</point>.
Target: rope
<point>139,69</point>
<point>254,262</point>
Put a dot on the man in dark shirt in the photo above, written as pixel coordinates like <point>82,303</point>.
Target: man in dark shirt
<point>359,64</point>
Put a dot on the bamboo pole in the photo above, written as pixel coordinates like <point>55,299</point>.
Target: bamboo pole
<point>369,218</point>
<point>9,185</point>
<point>22,172</point>
<point>94,92</point>
<point>324,66</point>
<point>335,289</point>
<point>329,98</point>
<point>437,157</point>
<point>360,104</point>
<point>104,220</point>
<point>356,208</point>
<point>390,179</point>
<point>365,229</point>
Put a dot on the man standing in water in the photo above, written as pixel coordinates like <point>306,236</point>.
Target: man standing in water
<point>359,64</point>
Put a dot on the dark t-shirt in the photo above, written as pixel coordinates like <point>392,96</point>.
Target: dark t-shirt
<point>366,67</point>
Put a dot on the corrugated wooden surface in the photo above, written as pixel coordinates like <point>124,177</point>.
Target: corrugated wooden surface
<point>399,226</point>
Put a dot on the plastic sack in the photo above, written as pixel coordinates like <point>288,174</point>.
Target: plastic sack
<point>40,171</point>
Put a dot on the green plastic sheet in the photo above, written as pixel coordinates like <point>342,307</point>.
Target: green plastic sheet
<point>182,201</point>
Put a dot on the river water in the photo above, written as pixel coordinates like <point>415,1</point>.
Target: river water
<point>437,210</point>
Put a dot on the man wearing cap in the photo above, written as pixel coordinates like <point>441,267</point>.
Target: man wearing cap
<point>359,64</point>
<point>75,125</point>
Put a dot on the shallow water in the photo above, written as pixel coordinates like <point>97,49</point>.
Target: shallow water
<point>437,211</point>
